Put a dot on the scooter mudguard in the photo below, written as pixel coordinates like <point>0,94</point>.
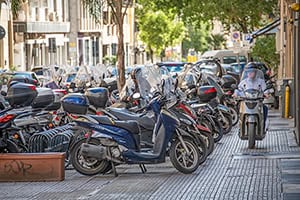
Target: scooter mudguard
<point>121,136</point>
<point>251,119</point>
<point>223,108</point>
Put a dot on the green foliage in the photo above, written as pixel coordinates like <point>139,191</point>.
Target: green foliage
<point>264,50</point>
<point>110,60</point>
<point>196,38</point>
<point>216,41</point>
<point>94,8</point>
<point>159,30</point>
<point>240,14</point>
<point>15,7</point>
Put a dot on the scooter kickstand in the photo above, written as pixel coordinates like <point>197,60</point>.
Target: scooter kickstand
<point>143,168</point>
<point>113,167</point>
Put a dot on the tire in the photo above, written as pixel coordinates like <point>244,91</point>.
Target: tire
<point>251,135</point>
<point>216,130</point>
<point>178,157</point>
<point>87,166</point>
<point>234,115</point>
<point>209,140</point>
<point>203,150</point>
<point>276,102</point>
<point>11,147</point>
<point>227,124</point>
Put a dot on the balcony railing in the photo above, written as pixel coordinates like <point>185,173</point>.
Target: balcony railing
<point>42,27</point>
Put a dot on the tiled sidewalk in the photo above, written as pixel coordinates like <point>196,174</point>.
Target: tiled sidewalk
<point>232,172</point>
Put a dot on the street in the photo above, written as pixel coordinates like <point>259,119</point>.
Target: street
<point>231,172</point>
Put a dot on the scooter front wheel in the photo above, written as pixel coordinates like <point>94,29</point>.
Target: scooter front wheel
<point>251,136</point>
<point>85,165</point>
<point>185,161</point>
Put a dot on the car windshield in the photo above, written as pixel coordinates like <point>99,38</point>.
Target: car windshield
<point>174,68</point>
<point>23,74</point>
<point>70,77</point>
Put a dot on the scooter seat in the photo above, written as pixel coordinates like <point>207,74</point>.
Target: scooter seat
<point>130,125</point>
<point>123,114</point>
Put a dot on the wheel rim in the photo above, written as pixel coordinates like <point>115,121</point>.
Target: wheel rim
<point>234,115</point>
<point>186,159</point>
<point>86,162</point>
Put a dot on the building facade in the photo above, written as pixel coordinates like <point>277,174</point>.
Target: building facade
<point>4,42</point>
<point>90,42</point>
<point>40,34</point>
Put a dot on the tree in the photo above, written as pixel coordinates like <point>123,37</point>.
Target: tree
<point>216,41</point>
<point>119,9</point>
<point>159,30</point>
<point>264,50</point>
<point>243,15</point>
<point>196,38</point>
<point>15,6</point>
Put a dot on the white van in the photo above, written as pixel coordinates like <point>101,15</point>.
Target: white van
<point>226,56</point>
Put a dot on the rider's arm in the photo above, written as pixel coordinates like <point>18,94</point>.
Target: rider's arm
<point>237,92</point>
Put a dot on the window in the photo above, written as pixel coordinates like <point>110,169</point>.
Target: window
<point>229,59</point>
<point>105,17</point>
<point>242,59</point>
<point>113,49</point>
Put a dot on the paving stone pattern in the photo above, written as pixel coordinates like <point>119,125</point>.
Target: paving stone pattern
<point>231,172</point>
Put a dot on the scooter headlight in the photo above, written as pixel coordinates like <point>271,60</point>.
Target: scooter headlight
<point>251,105</point>
<point>251,95</point>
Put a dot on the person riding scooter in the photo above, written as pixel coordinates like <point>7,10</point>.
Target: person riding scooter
<point>252,81</point>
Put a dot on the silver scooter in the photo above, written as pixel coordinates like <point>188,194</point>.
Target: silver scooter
<point>251,97</point>
<point>252,117</point>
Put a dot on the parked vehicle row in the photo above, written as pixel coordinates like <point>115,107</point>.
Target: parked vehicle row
<point>156,115</point>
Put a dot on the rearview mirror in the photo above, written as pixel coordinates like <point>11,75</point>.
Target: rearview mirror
<point>176,84</point>
<point>3,93</point>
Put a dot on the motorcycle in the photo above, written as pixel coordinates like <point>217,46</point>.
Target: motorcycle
<point>251,122</point>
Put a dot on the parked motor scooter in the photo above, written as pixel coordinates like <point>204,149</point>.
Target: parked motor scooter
<point>119,144</point>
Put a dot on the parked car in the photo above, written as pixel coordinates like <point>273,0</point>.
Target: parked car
<point>31,76</point>
<point>226,56</point>
<point>173,67</point>
<point>210,66</point>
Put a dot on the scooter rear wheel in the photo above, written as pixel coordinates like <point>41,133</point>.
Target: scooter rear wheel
<point>85,165</point>
<point>185,162</point>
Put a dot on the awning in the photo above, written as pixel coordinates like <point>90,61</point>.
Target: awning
<point>269,29</point>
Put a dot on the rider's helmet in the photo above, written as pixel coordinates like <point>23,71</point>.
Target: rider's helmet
<point>251,65</point>
<point>251,70</point>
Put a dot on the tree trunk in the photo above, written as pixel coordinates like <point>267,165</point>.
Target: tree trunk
<point>151,54</point>
<point>120,50</point>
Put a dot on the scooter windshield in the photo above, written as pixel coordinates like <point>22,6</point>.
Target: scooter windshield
<point>149,80</point>
<point>252,79</point>
<point>252,75</point>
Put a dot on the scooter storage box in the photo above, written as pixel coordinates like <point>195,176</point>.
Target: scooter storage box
<point>207,93</point>
<point>44,98</point>
<point>98,97</point>
<point>227,81</point>
<point>75,103</point>
<point>21,94</point>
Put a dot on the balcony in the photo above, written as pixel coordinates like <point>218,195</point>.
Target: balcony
<point>42,27</point>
